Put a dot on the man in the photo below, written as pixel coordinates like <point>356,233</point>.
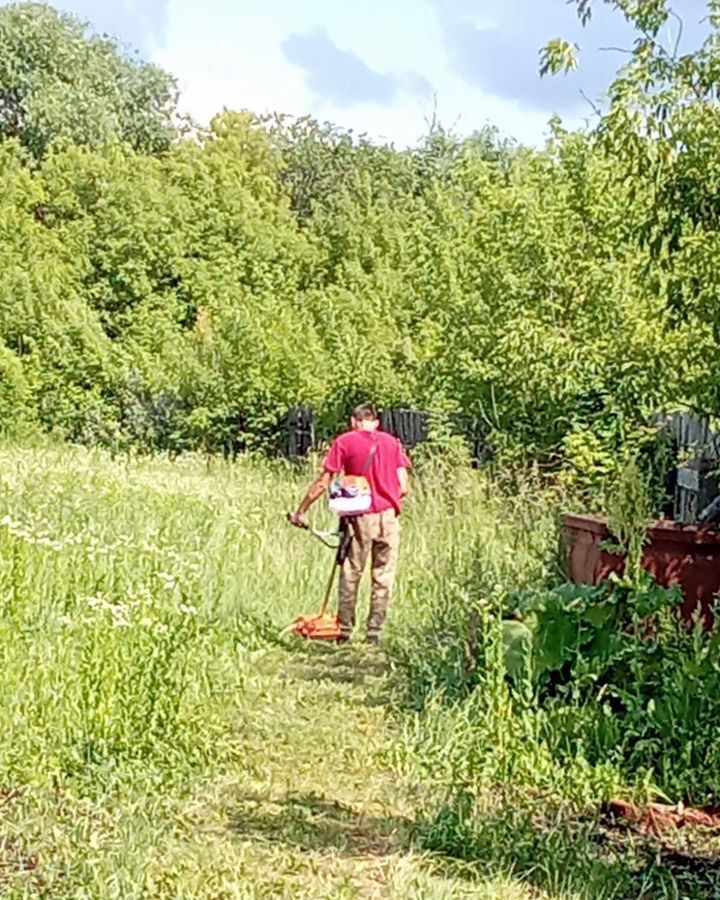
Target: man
<point>379,457</point>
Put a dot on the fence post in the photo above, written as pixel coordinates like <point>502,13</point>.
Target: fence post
<point>300,424</point>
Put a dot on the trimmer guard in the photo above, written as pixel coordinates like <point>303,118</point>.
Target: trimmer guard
<point>318,628</point>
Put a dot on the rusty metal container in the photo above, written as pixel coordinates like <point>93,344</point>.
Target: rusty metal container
<point>685,556</point>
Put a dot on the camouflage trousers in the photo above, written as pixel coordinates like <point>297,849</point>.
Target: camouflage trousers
<point>376,535</point>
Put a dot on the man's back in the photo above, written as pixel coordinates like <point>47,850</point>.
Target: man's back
<point>377,456</point>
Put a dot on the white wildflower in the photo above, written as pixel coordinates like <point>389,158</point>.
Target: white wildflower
<point>168,579</point>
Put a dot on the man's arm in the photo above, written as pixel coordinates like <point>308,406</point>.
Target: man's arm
<point>317,489</point>
<point>402,474</point>
<point>403,464</point>
<point>334,464</point>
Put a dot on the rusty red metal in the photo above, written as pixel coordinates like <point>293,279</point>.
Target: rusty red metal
<point>685,556</point>
<point>657,817</point>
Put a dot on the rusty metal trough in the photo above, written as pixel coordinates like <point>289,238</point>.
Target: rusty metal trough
<point>685,556</point>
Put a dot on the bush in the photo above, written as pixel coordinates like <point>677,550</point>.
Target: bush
<point>619,678</point>
<point>16,410</point>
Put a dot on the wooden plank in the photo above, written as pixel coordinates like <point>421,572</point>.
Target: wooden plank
<point>698,448</point>
<point>410,426</point>
<point>300,428</point>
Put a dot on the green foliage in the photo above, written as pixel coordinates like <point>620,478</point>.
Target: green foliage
<point>597,676</point>
<point>14,392</point>
<point>445,450</point>
<point>143,682</point>
<point>630,514</point>
<point>558,56</point>
<point>504,541</point>
<point>57,83</point>
<point>174,294</point>
<point>532,706</point>
<point>621,679</point>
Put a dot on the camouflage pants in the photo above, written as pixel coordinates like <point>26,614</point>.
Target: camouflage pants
<point>376,535</point>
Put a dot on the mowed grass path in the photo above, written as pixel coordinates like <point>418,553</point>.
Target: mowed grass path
<point>317,810</point>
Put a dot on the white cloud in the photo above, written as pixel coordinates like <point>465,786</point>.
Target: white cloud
<point>230,56</point>
<point>234,60</point>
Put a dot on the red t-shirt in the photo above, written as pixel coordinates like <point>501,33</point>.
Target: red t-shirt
<point>350,454</point>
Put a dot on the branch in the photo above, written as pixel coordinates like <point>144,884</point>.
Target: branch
<point>618,50</point>
<point>657,46</point>
<point>595,108</point>
<point>680,33</point>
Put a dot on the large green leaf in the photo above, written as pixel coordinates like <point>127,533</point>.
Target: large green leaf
<point>599,615</point>
<point>517,644</point>
<point>555,639</point>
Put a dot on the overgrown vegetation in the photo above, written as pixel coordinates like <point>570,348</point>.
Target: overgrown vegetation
<point>158,739</point>
<point>537,706</point>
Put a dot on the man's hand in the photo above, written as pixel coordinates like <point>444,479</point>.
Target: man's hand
<point>403,481</point>
<point>317,489</point>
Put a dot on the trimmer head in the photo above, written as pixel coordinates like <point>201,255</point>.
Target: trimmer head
<point>325,627</point>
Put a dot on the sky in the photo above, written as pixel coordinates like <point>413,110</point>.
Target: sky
<point>385,68</point>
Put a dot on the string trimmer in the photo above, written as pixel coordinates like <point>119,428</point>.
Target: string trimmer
<point>326,625</point>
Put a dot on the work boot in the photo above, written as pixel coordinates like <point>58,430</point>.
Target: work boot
<point>373,640</point>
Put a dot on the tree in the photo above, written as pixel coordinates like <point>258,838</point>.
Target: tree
<point>59,83</point>
<point>662,128</point>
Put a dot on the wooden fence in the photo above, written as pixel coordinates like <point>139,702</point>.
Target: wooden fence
<point>408,425</point>
<point>693,484</point>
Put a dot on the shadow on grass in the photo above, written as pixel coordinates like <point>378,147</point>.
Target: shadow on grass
<point>570,855</point>
<point>314,823</point>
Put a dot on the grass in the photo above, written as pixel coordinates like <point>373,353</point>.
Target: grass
<point>159,739</point>
<point>156,739</point>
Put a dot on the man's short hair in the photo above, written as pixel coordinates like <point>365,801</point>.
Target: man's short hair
<point>364,412</point>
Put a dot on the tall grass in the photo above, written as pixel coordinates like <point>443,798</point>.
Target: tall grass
<point>510,776</point>
<point>472,541</point>
<point>136,599</point>
<point>126,590</point>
